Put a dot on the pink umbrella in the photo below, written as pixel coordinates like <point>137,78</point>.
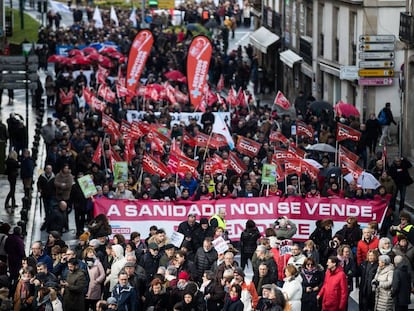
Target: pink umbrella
<point>89,50</point>
<point>95,57</point>
<point>75,52</point>
<point>174,75</point>
<point>55,58</point>
<point>80,60</point>
<point>346,110</point>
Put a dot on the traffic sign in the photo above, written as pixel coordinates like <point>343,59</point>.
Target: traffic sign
<point>348,73</point>
<point>376,55</point>
<point>376,47</point>
<point>376,72</point>
<point>375,81</point>
<point>376,64</point>
<point>377,38</point>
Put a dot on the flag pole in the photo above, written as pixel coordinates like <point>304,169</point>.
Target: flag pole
<point>208,142</point>
<point>336,153</point>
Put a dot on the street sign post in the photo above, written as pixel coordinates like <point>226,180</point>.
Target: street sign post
<point>375,81</point>
<point>376,47</point>
<point>376,55</point>
<point>377,38</point>
<point>376,72</point>
<point>376,64</point>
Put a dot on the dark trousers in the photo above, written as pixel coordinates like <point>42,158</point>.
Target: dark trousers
<point>12,193</point>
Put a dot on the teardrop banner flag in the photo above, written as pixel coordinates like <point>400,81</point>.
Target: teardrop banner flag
<point>138,55</point>
<point>198,62</point>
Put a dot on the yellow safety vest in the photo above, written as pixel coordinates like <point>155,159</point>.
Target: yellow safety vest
<point>221,223</point>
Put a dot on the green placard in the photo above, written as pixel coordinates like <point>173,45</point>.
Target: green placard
<point>269,174</point>
<point>120,172</point>
<point>87,186</point>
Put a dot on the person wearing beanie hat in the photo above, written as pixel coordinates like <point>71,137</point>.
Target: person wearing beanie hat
<point>381,284</point>
<point>250,299</point>
<point>183,275</point>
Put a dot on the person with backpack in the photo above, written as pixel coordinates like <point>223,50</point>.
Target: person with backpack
<point>385,118</point>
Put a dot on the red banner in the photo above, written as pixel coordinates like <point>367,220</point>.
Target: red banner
<point>153,166</point>
<point>282,101</point>
<point>303,129</point>
<point>278,136</point>
<point>138,54</point>
<point>127,216</point>
<point>236,164</point>
<point>350,155</point>
<point>111,125</point>
<point>247,146</point>
<point>198,63</point>
<point>344,132</point>
<point>180,164</point>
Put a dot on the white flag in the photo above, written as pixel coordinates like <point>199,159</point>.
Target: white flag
<point>133,17</point>
<point>114,17</point>
<point>97,17</point>
<point>220,127</point>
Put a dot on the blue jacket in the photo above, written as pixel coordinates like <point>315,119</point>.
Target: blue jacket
<point>126,297</point>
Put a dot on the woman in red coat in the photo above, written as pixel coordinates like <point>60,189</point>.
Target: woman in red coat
<point>334,292</point>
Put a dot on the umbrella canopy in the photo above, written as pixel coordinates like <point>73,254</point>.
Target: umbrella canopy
<point>89,50</point>
<point>55,58</point>
<point>106,62</point>
<point>319,106</point>
<point>80,60</point>
<point>322,148</point>
<point>95,57</point>
<point>197,28</point>
<point>212,23</point>
<point>108,49</point>
<point>368,181</point>
<point>174,75</point>
<point>346,110</point>
<point>314,163</point>
<point>333,170</point>
<point>75,52</point>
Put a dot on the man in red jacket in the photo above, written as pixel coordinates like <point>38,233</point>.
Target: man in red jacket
<point>368,242</point>
<point>334,291</point>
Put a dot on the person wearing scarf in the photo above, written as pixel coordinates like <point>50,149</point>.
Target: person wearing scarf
<point>312,279</point>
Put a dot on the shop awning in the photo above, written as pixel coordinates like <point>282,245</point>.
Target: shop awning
<point>263,38</point>
<point>290,58</point>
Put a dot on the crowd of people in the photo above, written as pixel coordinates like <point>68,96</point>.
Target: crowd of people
<point>132,273</point>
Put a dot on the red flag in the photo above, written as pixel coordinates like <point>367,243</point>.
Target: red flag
<point>344,132</point>
<point>122,91</point>
<point>299,152</point>
<point>310,170</point>
<point>129,151</point>
<point>215,165</point>
<point>198,63</point>
<point>303,129</point>
<point>352,167</point>
<point>282,101</point>
<point>66,98</point>
<point>97,104</point>
<point>280,155</point>
<point>111,125</point>
<point>278,136</point>
<point>247,146</point>
<point>181,97</point>
<point>220,84</point>
<point>98,153</point>
<point>188,139</point>
<point>218,141</point>
<point>236,164</point>
<point>241,98</point>
<point>293,166</point>
<point>180,164</point>
<point>138,55</point>
<point>344,151</point>
<point>201,139</point>
<point>101,75</point>
<point>153,166</point>
<point>169,93</point>
<point>87,94</point>
<point>106,93</point>
<point>231,97</point>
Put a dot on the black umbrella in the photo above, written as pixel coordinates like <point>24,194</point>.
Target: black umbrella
<point>211,24</point>
<point>318,106</point>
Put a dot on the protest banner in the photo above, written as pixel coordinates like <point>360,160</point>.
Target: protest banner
<point>137,215</point>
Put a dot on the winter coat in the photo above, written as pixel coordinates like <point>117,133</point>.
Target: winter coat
<point>126,297</point>
<point>18,301</point>
<point>383,299</point>
<point>150,264</point>
<point>159,302</point>
<point>321,237</point>
<point>12,168</point>
<point>73,297</point>
<point>46,185</point>
<point>389,184</point>
<point>363,247</point>
<point>400,173</point>
<point>248,240</point>
<point>216,292</point>
<point>204,260</point>
<point>334,291</point>
<point>96,277</point>
<point>311,278</point>
<point>233,305</point>
<point>351,235</point>
<point>63,184</point>
<point>249,296</point>
<point>14,248</point>
<point>117,266</point>
<point>56,221</point>
<point>367,273</point>
<point>401,289</point>
<point>292,288</point>
<point>27,168</point>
